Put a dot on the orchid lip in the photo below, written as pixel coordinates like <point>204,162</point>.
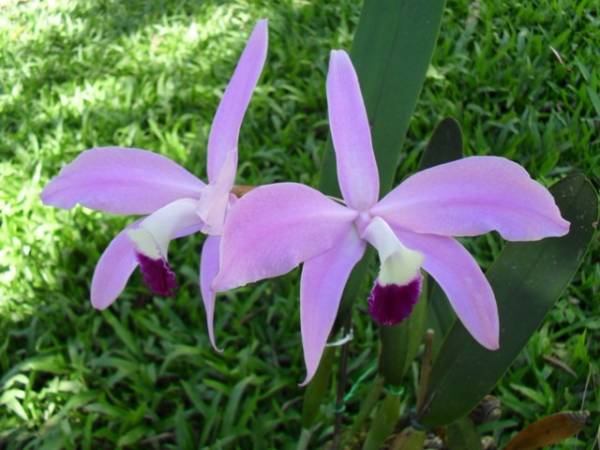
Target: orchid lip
<point>390,304</point>
<point>157,275</point>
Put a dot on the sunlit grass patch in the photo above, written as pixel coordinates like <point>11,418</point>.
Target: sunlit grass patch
<point>77,74</point>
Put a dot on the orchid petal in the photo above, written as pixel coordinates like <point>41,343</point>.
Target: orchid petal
<point>113,270</point>
<point>461,278</point>
<point>356,165</point>
<point>274,228</point>
<point>472,196</point>
<point>209,266</point>
<point>323,280</point>
<point>227,122</point>
<point>120,181</point>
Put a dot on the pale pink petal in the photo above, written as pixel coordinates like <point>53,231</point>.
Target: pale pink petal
<point>461,278</point>
<point>322,284</point>
<point>113,270</point>
<point>226,125</point>
<point>472,196</point>
<point>356,165</point>
<point>209,266</point>
<point>273,228</point>
<point>120,181</point>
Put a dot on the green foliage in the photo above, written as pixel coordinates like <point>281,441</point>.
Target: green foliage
<point>461,435</point>
<point>445,145</point>
<point>75,74</point>
<point>391,51</point>
<point>527,278</point>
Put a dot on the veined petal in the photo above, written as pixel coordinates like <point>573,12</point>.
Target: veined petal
<point>274,228</point>
<point>113,270</point>
<point>321,287</point>
<point>209,266</point>
<point>461,278</point>
<point>473,196</point>
<point>120,181</point>
<point>356,165</point>
<point>226,125</point>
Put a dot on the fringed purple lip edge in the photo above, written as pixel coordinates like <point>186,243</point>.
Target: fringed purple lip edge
<point>391,304</point>
<point>157,275</point>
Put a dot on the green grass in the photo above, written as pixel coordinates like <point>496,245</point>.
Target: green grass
<point>523,81</point>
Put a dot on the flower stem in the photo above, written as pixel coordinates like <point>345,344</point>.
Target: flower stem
<point>425,370</point>
<point>304,439</point>
<point>341,388</point>
<point>365,410</point>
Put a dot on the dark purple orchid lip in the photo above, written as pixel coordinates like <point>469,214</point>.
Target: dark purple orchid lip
<point>392,303</point>
<point>157,275</point>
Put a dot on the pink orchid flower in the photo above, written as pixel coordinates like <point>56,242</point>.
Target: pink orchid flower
<point>175,202</point>
<point>276,227</point>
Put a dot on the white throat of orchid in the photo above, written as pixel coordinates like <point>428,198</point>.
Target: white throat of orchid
<point>398,285</point>
<point>152,237</point>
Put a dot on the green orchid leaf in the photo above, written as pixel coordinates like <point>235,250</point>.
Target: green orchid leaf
<point>461,435</point>
<point>400,343</point>
<point>445,145</point>
<point>409,439</point>
<point>383,423</point>
<point>527,279</point>
<point>391,51</point>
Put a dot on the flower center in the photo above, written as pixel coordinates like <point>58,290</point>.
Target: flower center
<point>216,198</point>
<point>398,285</point>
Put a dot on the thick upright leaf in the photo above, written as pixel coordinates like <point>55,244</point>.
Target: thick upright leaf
<point>409,439</point>
<point>399,344</point>
<point>527,278</point>
<point>461,435</point>
<point>391,52</point>
<point>383,423</point>
<point>392,48</point>
<point>445,145</point>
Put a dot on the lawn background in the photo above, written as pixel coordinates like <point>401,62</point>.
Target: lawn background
<point>522,79</point>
